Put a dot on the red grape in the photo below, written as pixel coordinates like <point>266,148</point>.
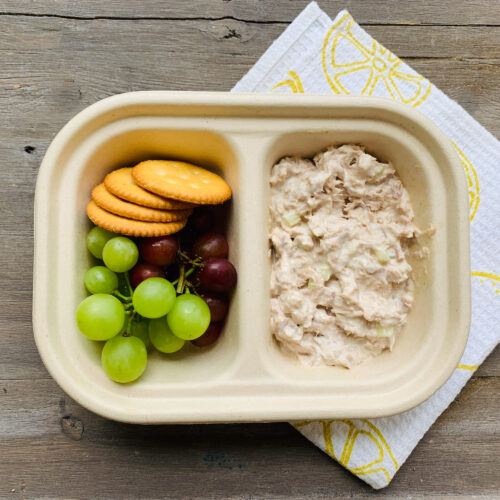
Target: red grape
<point>142,272</point>
<point>211,334</point>
<point>202,219</point>
<point>218,305</point>
<point>217,275</point>
<point>211,245</point>
<point>159,251</point>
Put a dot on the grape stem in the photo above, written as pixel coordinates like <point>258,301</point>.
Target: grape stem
<point>188,273</point>
<point>116,293</point>
<point>129,286</point>
<point>184,256</point>
<point>190,286</point>
<point>129,326</point>
<point>198,262</point>
<point>180,284</point>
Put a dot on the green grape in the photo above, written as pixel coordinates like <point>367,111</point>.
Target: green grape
<point>124,359</point>
<point>96,239</point>
<point>120,254</point>
<point>139,329</point>
<point>162,337</point>
<point>189,317</point>
<point>153,297</point>
<point>100,279</point>
<point>100,316</point>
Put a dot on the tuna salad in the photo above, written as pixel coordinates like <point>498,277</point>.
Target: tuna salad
<point>340,226</point>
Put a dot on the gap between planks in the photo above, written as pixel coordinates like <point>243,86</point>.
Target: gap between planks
<point>223,18</point>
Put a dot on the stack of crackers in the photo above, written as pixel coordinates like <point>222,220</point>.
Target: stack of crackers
<point>154,198</point>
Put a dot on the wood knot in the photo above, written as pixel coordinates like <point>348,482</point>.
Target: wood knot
<point>231,33</point>
<point>72,427</point>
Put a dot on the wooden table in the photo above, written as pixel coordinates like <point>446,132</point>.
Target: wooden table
<point>57,58</point>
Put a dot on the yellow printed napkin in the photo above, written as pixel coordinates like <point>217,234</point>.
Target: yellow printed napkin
<point>316,55</point>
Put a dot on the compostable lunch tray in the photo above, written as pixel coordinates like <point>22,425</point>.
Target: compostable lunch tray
<point>245,376</point>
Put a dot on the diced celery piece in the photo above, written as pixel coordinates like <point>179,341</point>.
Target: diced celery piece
<point>324,271</point>
<point>378,172</point>
<point>382,255</point>
<point>385,331</point>
<point>291,218</point>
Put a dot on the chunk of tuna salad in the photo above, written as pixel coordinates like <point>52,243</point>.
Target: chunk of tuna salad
<point>340,226</point>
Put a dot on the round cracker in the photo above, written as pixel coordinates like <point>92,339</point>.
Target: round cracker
<point>181,181</point>
<point>129,227</point>
<point>115,205</point>
<point>120,183</point>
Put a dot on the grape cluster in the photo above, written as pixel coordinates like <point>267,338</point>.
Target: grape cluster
<point>159,291</point>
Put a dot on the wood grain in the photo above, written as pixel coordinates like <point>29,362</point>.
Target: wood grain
<point>449,12</point>
<point>55,448</point>
<point>59,57</point>
<point>87,60</point>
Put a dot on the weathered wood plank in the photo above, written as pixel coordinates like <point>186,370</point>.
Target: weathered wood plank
<point>148,36</point>
<point>87,60</point>
<point>57,449</point>
<point>439,42</point>
<point>379,11</point>
<point>491,366</point>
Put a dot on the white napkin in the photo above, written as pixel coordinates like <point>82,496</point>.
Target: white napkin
<point>314,55</point>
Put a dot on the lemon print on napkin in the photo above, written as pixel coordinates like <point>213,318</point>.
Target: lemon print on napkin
<point>355,63</point>
<point>488,278</point>
<point>472,182</point>
<point>358,445</point>
<point>292,83</point>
